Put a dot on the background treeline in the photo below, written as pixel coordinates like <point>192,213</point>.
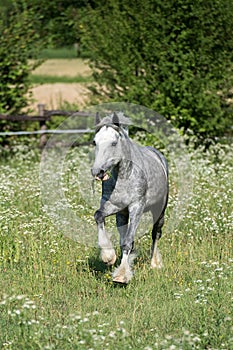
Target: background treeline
<point>173,56</point>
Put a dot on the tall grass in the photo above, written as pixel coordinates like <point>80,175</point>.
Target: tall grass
<point>56,294</point>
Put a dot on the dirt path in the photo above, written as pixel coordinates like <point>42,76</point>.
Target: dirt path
<point>54,95</point>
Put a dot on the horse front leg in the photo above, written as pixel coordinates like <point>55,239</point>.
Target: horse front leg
<point>122,219</point>
<point>107,251</point>
<point>124,273</point>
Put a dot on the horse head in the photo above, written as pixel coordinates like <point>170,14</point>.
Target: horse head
<point>108,142</point>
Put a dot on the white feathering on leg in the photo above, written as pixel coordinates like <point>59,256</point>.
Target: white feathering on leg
<point>124,273</point>
<point>156,260</point>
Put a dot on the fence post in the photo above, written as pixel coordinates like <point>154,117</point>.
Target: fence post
<point>43,138</point>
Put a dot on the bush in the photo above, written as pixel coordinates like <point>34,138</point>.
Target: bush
<point>172,56</point>
<point>19,44</point>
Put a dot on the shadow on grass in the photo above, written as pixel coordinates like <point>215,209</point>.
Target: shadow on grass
<point>94,266</point>
<point>101,272</point>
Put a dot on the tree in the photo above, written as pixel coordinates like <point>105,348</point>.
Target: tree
<point>172,56</point>
<point>59,20</point>
<point>19,43</point>
<point>6,6</point>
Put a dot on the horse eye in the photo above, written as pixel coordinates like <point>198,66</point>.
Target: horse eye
<point>94,143</point>
<point>114,143</point>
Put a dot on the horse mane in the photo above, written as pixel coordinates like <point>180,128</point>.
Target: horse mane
<point>109,120</point>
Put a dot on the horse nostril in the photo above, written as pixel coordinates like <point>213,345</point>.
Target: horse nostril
<point>97,172</point>
<point>101,173</point>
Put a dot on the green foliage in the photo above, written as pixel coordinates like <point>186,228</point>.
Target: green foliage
<point>172,56</point>
<point>19,42</point>
<point>61,52</point>
<point>6,6</point>
<point>59,21</point>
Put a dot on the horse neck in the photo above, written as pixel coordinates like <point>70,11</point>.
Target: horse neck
<point>125,165</point>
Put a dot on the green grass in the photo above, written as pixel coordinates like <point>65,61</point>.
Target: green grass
<point>56,294</point>
<point>50,79</point>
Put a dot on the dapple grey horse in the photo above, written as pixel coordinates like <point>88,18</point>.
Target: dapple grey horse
<point>134,180</point>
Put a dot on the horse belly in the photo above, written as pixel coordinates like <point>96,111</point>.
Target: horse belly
<point>157,190</point>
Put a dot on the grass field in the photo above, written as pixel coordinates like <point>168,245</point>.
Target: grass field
<point>56,294</point>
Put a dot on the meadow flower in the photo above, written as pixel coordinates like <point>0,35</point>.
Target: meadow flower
<point>112,334</point>
<point>94,313</point>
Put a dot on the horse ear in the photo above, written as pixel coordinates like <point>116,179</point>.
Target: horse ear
<point>115,119</point>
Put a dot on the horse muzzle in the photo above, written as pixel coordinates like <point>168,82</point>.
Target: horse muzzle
<point>99,174</point>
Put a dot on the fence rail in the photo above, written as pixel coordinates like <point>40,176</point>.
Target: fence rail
<point>51,131</point>
<point>42,117</point>
<point>21,118</point>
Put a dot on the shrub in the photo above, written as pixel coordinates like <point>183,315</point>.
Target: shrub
<point>19,44</point>
<point>172,56</point>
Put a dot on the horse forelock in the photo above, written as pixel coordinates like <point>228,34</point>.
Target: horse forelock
<point>98,127</point>
<point>109,121</point>
<point>119,129</point>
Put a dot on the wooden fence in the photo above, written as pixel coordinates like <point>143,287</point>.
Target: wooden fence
<point>43,117</point>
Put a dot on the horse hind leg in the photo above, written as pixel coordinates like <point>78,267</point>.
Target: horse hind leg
<point>156,259</point>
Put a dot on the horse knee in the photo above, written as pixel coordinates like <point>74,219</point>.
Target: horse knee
<point>99,217</point>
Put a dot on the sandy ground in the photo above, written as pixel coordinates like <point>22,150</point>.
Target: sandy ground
<point>63,67</point>
<point>54,95</point>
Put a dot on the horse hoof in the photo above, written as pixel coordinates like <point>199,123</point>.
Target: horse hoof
<point>120,279</point>
<point>111,262</point>
<point>108,257</point>
<point>122,275</point>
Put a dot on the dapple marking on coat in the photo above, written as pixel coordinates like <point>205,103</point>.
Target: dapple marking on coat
<point>134,181</point>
